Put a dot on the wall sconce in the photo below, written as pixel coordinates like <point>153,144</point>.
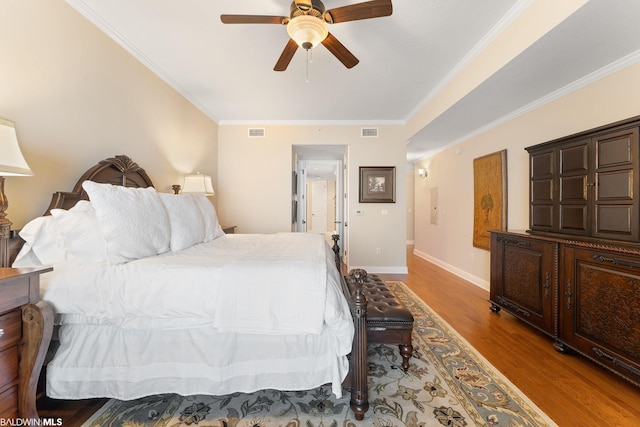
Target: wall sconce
<point>12,163</point>
<point>422,173</point>
<point>198,183</point>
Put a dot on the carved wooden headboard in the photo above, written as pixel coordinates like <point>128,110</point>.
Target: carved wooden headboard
<point>118,170</point>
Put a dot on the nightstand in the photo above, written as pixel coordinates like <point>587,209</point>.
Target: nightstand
<point>26,324</point>
<point>229,229</point>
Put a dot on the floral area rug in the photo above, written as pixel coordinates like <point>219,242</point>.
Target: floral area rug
<point>448,384</point>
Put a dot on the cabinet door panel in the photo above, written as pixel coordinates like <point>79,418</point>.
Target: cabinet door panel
<point>522,279</point>
<point>542,217</point>
<point>616,149</point>
<point>614,220</point>
<point>600,307</point>
<point>616,186</point>
<point>573,219</point>
<point>574,159</point>
<point>542,165</point>
<point>542,191</point>
<point>573,189</point>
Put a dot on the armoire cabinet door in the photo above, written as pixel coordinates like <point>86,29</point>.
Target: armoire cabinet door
<point>599,307</point>
<point>587,184</point>
<point>573,188</point>
<point>542,214</point>
<point>615,181</point>
<point>523,278</point>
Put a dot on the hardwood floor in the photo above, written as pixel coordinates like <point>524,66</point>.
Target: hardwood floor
<point>567,387</point>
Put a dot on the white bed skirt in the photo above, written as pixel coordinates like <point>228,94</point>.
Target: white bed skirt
<point>106,361</point>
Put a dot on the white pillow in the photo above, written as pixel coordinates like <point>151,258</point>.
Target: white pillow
<point>44,243</point>
<point>212,229</point>
<point>133,221</point>
<point>187,223</point>
<point>83,239</point>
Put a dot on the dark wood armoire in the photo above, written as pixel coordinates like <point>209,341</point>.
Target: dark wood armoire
<point>575,273</point>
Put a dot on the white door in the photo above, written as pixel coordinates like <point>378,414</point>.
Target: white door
<point>318,206</point>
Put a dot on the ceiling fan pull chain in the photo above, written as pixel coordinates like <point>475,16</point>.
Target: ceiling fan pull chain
<point>307,81</point>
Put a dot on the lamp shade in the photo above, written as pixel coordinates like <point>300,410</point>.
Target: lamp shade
<point>12,162</point>
<point>307,31</point>
<point>198,183</point>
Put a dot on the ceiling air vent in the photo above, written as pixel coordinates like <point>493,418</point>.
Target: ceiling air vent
<point>369,132</point>
<point>256,132</point>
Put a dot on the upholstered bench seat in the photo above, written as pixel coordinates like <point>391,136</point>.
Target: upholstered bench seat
<point>388,320</point>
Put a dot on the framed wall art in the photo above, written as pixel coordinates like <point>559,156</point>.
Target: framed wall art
<point>377,184</point>
<point>489,197</point>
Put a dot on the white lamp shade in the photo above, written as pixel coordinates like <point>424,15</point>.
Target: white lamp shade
<point>198,183</point>
<point>307,29</point>
<point>12,162</point>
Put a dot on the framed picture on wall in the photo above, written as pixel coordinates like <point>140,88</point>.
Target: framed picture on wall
<point>489,197</point>
<point>377,184</point>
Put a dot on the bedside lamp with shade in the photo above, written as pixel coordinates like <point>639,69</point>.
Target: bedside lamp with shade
<point>12,163</point>
<point>198,183</point>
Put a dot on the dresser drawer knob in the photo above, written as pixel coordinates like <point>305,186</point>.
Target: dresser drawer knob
<point>1,332</point>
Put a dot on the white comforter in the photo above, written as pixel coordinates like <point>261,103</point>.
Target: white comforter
<point>274,284</point>
<point>239,313</point>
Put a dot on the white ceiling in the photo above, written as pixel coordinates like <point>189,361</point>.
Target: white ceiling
<point>227,70</point>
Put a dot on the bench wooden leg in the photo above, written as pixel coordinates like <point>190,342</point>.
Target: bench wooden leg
<point>406,351</point>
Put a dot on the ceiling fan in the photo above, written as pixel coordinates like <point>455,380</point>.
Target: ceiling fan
<point>307,26</point>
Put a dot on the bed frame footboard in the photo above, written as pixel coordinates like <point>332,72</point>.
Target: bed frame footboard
<point>358,365</point>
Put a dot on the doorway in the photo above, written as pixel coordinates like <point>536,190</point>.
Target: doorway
<point>321,198</point>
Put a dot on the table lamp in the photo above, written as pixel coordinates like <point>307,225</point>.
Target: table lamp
<point>12,163</point>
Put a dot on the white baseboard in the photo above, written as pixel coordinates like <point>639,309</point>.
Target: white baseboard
<point>455,270</point>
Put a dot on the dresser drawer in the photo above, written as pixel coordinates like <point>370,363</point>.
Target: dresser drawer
<point>9,403</point>
<point>10,328</point>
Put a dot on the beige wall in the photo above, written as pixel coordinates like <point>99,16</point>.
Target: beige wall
<point>255,186</point>
<point>449,243</point>
<point>77,97</point>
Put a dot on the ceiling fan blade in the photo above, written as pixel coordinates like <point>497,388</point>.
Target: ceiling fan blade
<point>354,12</point>
<point>286,55</point>
<point>340,52</point>
<point>253,19</point>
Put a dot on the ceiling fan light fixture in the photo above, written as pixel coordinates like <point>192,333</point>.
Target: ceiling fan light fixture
<point>307,31</point>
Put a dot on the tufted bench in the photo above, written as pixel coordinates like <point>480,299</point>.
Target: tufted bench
<point>388,320</point>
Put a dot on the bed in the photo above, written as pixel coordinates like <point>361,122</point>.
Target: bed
<point>152,297</point>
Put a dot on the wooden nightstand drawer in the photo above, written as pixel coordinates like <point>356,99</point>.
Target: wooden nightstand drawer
<point>8,366</point>
<point>10,328</point>
<point>9,403</point>
<point>25,325</point>
<point>14,293</point>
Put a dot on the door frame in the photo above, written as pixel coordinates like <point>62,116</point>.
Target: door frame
<point>338,155</point>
